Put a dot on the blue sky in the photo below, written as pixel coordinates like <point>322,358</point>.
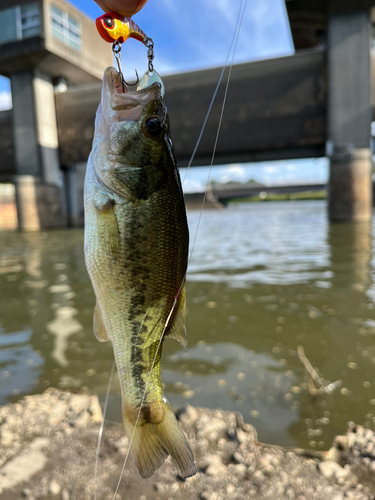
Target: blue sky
<point>196,34</point>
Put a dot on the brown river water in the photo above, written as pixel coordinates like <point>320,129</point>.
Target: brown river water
<point>264,279</point>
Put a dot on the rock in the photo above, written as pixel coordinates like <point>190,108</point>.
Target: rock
<point>236,457</point>
<point>27,493</point>
<point>174,488</point>
<point>240,469</point>
<point>332,469</point>
<point>65,495</point>
<point>243,437</point>
<point>231,489</point>
<point>202,445</point>
<point>333,455</point>
<point>210,495</point>
<point>215,467</point>
<point>213,428</point>
<point>189,416</point>
<point>7,436</point>
<point>232,434</point>
<point>81,420</point>
<point>258,478</point>
<point>341,442</point>
<point>21,468</point>
<point>95,410</point>
<point>78,403</point>
<point>121,445</point>
<point>54,488</point>
<point>266,465</point>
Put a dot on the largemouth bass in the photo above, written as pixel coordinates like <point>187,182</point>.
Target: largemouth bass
<point>136,249</point>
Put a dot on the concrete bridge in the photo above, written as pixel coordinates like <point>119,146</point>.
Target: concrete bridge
<point>316,102</point>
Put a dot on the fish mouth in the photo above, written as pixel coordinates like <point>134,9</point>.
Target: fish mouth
<point>118,97</point>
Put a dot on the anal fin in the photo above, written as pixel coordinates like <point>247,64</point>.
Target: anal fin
<point>100,331</point>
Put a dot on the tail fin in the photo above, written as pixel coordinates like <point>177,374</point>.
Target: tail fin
<point>153,442</point>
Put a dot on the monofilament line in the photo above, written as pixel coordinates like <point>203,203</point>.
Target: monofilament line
<point>213,97</point>
<point>105,406</point>
<point>235,37</point>
<point>237,33</point>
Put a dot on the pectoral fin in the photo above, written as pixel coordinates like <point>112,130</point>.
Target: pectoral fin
<point>100,331</point>
<point>177,330</point>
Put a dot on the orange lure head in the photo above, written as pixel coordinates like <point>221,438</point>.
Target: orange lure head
<point>113,27</point>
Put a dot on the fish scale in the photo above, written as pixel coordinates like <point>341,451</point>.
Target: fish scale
<point>136,250</point>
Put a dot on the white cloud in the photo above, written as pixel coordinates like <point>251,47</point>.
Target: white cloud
<point>270,170</point>
<point>5,100</point>
<point>193,186</point>
<point>234,172</point>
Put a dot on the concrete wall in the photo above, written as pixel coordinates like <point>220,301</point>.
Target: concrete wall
<point>96,54</point>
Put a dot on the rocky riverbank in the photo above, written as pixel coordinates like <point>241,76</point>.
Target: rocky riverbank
<point>48,448</point>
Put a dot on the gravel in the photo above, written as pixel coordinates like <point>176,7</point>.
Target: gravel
<point>48,451</point>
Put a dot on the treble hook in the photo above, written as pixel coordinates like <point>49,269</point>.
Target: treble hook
<point>116,49</point>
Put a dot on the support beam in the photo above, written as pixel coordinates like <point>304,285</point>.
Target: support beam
<point>38,177</point>
<point>349,116</point>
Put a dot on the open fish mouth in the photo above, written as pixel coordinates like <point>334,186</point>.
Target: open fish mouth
<point>117,97</point>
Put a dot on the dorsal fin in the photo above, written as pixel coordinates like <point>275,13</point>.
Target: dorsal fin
<point>100,331</point>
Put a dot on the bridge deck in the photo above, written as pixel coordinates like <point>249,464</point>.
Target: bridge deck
<point>275,110</point>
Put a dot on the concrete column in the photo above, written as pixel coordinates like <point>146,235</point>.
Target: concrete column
<point>72,199</point>
<point>39,183</point>
<point>349,116</point>
<point>26,201</point>
<point>350,187</point>
<point>39,204</point>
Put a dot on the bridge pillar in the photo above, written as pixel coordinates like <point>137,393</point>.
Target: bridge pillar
<point>38,180</point>
<point>349,116</point>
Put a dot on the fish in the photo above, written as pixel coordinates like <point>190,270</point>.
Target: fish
<point>114,27</point>
<point>136,251</point>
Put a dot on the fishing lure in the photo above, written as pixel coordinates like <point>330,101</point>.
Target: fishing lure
<point>112,27</point>
<point>115,29</point>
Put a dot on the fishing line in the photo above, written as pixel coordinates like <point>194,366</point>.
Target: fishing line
<point>218,130</point>
<point>235,38</point>
<point>213,97</point>
<point>102,425</point>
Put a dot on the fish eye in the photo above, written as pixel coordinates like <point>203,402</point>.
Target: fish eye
<point>152,126</point>
<point>108,21</point>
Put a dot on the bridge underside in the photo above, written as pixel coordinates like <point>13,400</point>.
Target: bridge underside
<point>275,110</point>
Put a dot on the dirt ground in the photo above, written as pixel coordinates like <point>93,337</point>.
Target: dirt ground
<point>48,451</point>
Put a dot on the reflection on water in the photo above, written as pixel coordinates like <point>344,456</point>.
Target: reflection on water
<point>264,279</point>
